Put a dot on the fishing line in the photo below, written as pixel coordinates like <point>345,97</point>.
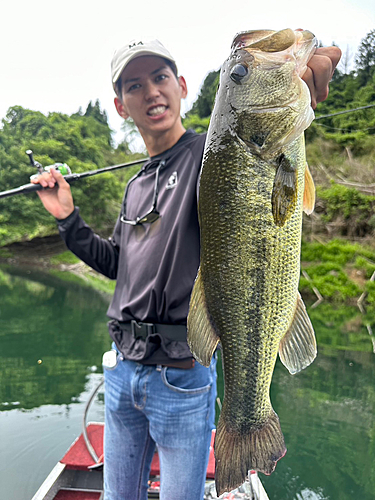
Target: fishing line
<point>345,111</point>
<point>344,129</point>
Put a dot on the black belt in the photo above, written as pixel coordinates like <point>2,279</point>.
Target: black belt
<point>144,330</point>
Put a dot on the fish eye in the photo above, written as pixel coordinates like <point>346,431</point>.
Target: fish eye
<point>238,73</point>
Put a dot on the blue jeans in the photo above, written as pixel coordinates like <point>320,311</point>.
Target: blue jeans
<point>168,407</point>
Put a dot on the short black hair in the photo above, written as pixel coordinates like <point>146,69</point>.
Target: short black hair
<point>118,84</point>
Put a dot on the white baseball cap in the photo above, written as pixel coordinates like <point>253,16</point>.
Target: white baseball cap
<point>136,48</point>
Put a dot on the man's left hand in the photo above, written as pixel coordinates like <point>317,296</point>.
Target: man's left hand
<point>319,72</point>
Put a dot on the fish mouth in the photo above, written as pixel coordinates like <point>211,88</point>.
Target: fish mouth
<point>157,110</point>
<point>271,108</point>
<point>271,41</point>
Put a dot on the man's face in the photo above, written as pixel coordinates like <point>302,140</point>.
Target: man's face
<point>151,95</point>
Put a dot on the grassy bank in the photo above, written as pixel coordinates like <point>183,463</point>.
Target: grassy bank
<point>340,270</point>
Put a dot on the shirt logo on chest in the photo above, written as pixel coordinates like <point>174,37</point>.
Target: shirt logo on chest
<point>172,181</point>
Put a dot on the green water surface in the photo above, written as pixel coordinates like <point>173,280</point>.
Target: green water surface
<point>52,337</point>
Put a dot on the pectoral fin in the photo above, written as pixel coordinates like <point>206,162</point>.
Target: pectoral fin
<point>298,346</point>
<point>284,193</point>
<point>202,338</point>
<point>309,192</point>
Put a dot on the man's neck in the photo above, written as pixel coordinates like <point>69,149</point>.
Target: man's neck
<point>158,144</point>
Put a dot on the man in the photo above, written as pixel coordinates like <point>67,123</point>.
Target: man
<point>155,392</point>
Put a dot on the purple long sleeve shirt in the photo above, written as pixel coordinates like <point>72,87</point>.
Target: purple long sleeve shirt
<point>154,265</point>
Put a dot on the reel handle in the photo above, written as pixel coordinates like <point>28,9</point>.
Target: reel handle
<point>31,157</point>
<point>34,163</point>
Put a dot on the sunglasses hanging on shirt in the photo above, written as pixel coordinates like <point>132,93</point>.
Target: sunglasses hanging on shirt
<point>152,215</point>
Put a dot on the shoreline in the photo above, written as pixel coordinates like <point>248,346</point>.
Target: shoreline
<point>339,269</point>
<point>32,252</point>
<point>50,254</point>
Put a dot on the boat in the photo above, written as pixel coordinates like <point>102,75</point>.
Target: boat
<point>79,474</point>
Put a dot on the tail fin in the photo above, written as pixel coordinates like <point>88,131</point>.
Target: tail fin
<point>238,453</point>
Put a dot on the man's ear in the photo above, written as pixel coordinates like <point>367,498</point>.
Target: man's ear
<point>121,110</point>
<point>183,86</point>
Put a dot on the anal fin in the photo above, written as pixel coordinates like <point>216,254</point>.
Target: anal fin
<point>297,348</point>
<point>202,337</point>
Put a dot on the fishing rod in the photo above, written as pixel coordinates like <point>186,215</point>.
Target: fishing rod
<point>64,169</point>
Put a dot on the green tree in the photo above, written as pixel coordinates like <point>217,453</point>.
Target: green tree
<point>198,118</point>
<point>96,112</point>
<point>205,101</point>
<point>365,58</point>
<point>81,141</point>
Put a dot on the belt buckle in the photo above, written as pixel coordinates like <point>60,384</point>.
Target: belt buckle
<point>141,330</point>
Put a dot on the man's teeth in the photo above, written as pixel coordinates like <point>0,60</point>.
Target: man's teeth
<point>158,110</point>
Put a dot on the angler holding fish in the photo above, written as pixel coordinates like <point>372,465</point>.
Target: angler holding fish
<point>155,394</point>
<point>254,185</point>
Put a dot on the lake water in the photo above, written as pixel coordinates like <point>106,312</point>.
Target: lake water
<point>52,336</point>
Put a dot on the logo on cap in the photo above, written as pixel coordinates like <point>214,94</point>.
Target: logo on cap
<point>134,44</point>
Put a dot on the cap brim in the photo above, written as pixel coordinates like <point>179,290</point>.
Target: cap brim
<point>139,53</point>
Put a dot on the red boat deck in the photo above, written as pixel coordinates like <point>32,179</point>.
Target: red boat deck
<point>79,458</point>
<point>77,477</point>
<point>77,495</point>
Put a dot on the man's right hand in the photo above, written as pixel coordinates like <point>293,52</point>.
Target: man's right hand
<point>58,200</point>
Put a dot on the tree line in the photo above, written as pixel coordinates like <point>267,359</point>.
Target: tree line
<point>342,142</point>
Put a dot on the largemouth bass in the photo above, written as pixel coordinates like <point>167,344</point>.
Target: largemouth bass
<point>254,186</point>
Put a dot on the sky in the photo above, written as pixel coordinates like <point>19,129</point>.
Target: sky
<point>55,56</point>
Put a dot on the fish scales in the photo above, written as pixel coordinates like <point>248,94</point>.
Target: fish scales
<point>255,252</point>
<point>250,208</point>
